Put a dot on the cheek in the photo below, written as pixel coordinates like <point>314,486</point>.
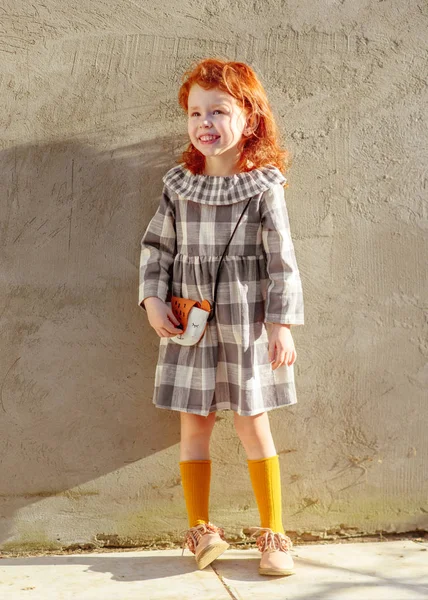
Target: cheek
<point>240,124</point>
<point>227,128</point>
<point>236,126</point>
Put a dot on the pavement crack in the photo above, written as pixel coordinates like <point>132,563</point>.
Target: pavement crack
<point>226,586</point>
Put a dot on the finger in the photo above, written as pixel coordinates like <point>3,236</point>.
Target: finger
<point>274,357</point>
<point>174,331</point>
<point>280,359</point>
<point>166,333</point>
<point>173,319</point>
<point>170,329</point>
<point>278,352</point>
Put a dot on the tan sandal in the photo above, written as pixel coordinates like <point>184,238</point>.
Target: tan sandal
<point>206,541</point>
<point>275,548</point>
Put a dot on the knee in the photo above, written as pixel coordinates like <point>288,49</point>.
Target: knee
<point>252,426</point>
<point>197,426</point>
<point>244,425</point>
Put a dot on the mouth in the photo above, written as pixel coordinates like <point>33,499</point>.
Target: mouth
<point>208,138</point>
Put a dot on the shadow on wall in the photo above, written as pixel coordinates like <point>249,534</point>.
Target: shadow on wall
<point>78,355</point>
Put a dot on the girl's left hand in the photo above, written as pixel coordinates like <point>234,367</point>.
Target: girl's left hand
<point>281,346</point>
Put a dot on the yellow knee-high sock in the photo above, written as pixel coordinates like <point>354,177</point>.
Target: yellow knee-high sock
<point>266,481</point>
<point>196,479</point>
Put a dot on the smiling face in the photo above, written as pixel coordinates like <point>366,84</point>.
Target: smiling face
<point>215,114</point>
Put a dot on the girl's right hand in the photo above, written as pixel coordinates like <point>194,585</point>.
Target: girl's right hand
<point>161,317</point>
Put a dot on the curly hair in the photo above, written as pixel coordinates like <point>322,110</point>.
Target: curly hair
<point>262,146</point>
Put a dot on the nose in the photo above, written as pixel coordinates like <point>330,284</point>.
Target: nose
<point>205,124</point>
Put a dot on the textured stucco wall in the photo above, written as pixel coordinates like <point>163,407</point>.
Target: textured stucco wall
<point>89,124</point>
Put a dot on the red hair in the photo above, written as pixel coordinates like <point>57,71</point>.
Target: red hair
<point>260,148</point>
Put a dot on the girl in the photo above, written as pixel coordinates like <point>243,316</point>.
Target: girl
<point>244,361</point>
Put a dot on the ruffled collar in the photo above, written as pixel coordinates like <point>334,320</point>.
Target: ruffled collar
<point>218,189</point>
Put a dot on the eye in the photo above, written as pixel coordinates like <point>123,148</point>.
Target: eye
<point>196,113</point>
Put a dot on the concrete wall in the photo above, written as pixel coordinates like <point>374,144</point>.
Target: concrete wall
<point>89,124</point>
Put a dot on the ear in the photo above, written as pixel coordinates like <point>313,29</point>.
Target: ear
<point>251,125</point>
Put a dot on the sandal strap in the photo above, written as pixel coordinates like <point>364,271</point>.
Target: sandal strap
<point>271,540</point>
<point>194,534</point>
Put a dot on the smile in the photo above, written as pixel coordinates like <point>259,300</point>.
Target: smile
<point>208,139</point>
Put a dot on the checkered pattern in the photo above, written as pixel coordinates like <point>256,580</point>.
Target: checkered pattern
<point>211,189</point>
<point>259,284</point>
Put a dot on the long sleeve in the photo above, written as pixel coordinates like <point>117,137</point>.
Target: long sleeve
<point>284,296</point>
<point>158,250</point>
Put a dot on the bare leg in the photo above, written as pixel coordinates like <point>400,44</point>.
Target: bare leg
<point>255,435</point>
<point>195,436</point>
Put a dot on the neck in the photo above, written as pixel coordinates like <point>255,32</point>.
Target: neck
<point>221,166</point>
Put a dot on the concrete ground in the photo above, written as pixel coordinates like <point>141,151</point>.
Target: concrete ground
<point>393,570</point>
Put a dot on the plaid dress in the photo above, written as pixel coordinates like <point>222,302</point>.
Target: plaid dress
<point>259,283</point>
